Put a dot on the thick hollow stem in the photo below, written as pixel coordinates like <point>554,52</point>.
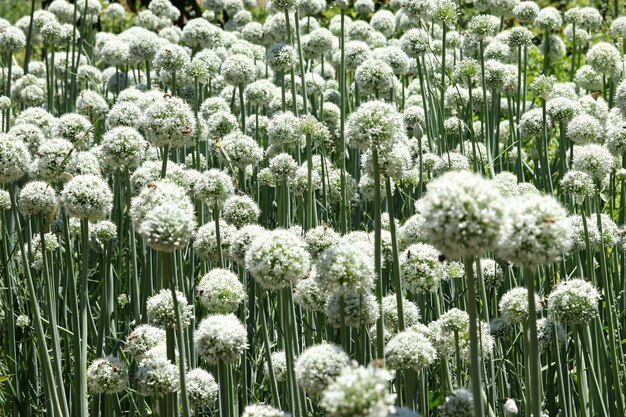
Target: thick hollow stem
<point>475,359</point>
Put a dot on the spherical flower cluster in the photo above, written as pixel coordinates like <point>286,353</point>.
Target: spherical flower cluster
<point>537,231</point>
<point>241,240</point>
<point>91,104</point>
<point>277,259</point>
<point>29,134</point>
<point>114,11</point>
<point>577,184</point>
<point>143,338</point>
<point>482,26</point>
<point>598,108</point>
<point>319,239</point>
<point>241,150</point>
<point>395,57</point>
<point>620,97</point>
<point>107,376</point>
<point>309,296</point>
<point>87,197</point>
<point>542,86</point>
<point>459,403</point>
<point>123,147</point>
<point>283,130</point>
<point>12,39</point>
<point>415,42</point>
<point>205,242</point>
<point>506,183</point>
<point>37,197</point>
<point>531,123</point>
<point>161,310</point>
<point>549,332</point>
<point>374,123</point>
<point>220,291</point>
<point>358,310</point>
<point>144,45</point>
<point>199,33</point>
<point>279,366</point>
<point>238,70</point>
<point>283,167</point>
<point>5,200</point>
<point>444,11</point>
<point>22,321</point>
<point>593,159</point>
<point>344,269</point>
<point>153,193</point>
<point>171,58</point>
<point>548,19</point>
<point>75,129</point>
<point>38,117</point>
<point>103,232</point>
<point>411,313</point>
<point>585,129</point>
<point>514,305</point>
<point>409,349</point>
<point>262,410</point>
<point>168,226</point>
<point>492,273</point>
<point>169,122</point>
<point>214,187</point>
<point>412,231</point>
<point>384,21</point>
<point>14,158</point>
<point>604,58</point>
<point>462,214</point>
<point>422,271</point>
<point>562,109</point>
<point>519,37</point>
<point>588,78</point>
<point>573,302</point>
<point>618,27</point>
<point>451,330</point>
<point>281,57</point>
<point>201,388</point>
<point>616,138</point>
<point>359,392</point>
<point>259,92</point>
<point>124,113</point>
<point>374,77</point>
<point>581,233</point>
<point>220,338</point>
<point>318,365</point>
<point>114,53</point>
<point>499,327</point>
<point>610,231</point>
<point>220,123</point>
<point>157,376</point>
<point>240,210</point>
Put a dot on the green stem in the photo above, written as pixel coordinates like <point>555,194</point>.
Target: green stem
<point>380,329</point>
<point>475,359</point>
<point>535,365</point>
<point>242,109</point>
<point>218,237</point>
<point>225,401</point>
<point>342,138</point>
<point>397,281</point>
<point>84,306</point>
<point>166,151</point>
<point>182,362</point>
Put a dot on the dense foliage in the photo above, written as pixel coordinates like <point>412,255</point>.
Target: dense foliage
<point>311,208</point>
